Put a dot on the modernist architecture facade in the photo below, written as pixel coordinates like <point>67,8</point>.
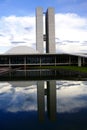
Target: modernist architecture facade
<point>30,60</point>
<point>49,36</point>
<point>19,58</point>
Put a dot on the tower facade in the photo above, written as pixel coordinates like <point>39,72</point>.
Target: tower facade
<point>49,30</point>
<point>39,30</point>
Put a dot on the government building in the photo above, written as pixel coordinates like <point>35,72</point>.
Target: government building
<point>25,57</point>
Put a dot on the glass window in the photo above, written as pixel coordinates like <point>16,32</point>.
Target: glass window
<point>17,60</point>
<point>4,60</point>
<point>47,59</point>
<point>62,59</point>
<point>32,60</point>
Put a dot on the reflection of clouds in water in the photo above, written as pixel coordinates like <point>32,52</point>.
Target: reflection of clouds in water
<point>63,84</point>
<point>22,83</point>
<point>71,96</point>
<point>14,99</point>
<point>5,87</point>
<point>22,102</point>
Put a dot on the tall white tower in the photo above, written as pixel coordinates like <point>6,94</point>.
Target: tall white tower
<point>49,30</point>
<point>39,30</point>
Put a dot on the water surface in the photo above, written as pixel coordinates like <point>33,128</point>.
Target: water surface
<point>44,105</point>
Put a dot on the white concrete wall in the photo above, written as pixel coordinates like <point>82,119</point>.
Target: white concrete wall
<point>50,30</point>
<point>39,30</point>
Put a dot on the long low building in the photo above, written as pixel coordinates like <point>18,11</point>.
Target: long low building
<point>42,60</point>
<point>26,57</point>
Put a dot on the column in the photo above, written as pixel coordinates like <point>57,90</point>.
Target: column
<point>79,61</point>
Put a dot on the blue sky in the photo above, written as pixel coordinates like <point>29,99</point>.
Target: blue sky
<point>26,7</point>
<point>17,23</point>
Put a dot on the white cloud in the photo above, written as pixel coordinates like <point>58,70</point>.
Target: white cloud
<point>71,27</point>
<point>21,31</point>
<point>17,29</point>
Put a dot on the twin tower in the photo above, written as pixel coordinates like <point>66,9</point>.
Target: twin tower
<point>49,36</point>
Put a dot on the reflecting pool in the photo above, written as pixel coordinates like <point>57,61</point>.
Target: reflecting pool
<point>43,105</point>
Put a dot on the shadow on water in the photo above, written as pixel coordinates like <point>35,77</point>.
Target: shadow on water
<point>42,100</point>
<point>42,74</point>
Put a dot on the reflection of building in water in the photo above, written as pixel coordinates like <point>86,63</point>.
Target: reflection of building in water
<point>51,99</point>
<point>50,92</point>
<point>40,97</point>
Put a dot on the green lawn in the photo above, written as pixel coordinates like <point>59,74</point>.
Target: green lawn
<point>73,68</point>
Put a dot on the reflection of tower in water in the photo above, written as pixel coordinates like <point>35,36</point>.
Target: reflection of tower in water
<point>40,99</point>
<point>50,92</point>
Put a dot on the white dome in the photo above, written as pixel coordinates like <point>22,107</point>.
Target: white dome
<point>22,83</point>
<point>21,50</point>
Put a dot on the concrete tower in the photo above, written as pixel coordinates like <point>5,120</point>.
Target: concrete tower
<point>39,30</point>
<point>49,30</point>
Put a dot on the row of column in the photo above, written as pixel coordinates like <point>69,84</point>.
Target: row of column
<point>79,62</point>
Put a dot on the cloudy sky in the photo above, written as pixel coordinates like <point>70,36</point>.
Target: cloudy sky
<point>17,24</point>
